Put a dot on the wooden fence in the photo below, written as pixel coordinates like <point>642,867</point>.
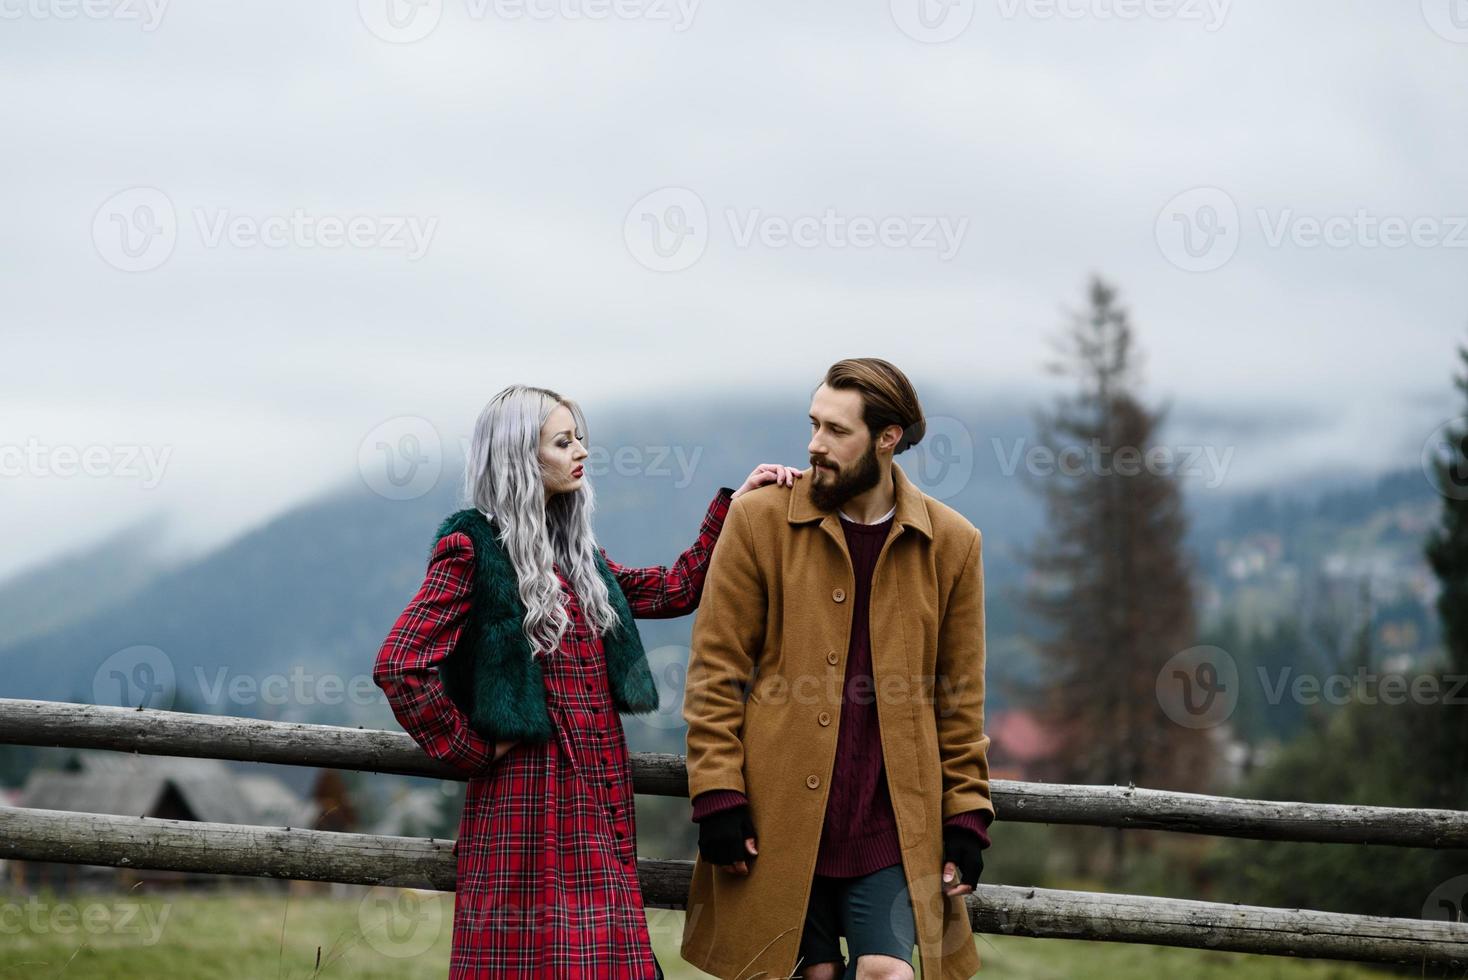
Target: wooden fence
<point>365,859</point>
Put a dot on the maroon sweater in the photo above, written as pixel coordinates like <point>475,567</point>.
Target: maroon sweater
<point>859,832</point>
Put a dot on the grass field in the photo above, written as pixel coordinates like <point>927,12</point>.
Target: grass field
<point>377,933</point>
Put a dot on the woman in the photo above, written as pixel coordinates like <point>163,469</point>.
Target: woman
<point>532,626</point>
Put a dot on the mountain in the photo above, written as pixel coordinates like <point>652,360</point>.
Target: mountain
<point>80,582</point>
<point>284,622</point>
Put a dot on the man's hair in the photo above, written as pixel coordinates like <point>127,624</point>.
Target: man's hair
<point>887,397</point>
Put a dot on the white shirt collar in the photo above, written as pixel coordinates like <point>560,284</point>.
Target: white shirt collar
<point>879,520</point>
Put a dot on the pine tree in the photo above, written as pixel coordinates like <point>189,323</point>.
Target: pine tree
<point>1447,553</point>
<point>1109,576</point>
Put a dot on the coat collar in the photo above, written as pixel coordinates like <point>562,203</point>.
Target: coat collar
<point>912,507</point>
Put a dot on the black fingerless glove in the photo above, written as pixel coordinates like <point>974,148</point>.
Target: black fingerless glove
<point>963,848</point>
<point>721,836</point>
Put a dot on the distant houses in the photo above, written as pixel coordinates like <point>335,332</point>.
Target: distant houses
<point>1021,747</point>
<point>169,788</point>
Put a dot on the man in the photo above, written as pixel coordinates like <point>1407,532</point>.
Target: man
<point>849,792</point>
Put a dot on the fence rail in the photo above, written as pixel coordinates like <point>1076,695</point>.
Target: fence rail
<point>175,733</point>
<point>365,859</point>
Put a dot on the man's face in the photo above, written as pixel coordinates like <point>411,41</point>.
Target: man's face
<point>843,454</point>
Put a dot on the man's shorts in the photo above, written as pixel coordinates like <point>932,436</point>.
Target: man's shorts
<point>873,912</point>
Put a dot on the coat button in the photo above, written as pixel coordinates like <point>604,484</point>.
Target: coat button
<point>824,717</point>
<point>838,594</point>
<point>831,657</point>
<point>812,780</point>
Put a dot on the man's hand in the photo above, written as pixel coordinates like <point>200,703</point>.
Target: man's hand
<point>726,839</point>
<point>963,861</point>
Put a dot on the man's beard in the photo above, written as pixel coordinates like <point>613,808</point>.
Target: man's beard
<point>839,486</point>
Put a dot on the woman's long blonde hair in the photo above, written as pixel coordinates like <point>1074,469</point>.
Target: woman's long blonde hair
<point>503,480</point>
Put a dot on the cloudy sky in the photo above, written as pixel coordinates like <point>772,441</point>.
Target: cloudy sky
<point>242,237</point>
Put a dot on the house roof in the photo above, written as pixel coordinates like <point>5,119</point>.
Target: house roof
<point>1019,738</point>
<point>134,785</point>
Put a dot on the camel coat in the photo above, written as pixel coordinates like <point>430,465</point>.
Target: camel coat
<point>775,621</point>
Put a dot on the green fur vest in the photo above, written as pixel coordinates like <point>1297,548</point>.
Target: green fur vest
<point>490,674</point>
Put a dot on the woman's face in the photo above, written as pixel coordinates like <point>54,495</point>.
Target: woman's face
<point>562,455</point>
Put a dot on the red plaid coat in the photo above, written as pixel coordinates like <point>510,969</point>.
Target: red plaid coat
<point>547,864</point>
